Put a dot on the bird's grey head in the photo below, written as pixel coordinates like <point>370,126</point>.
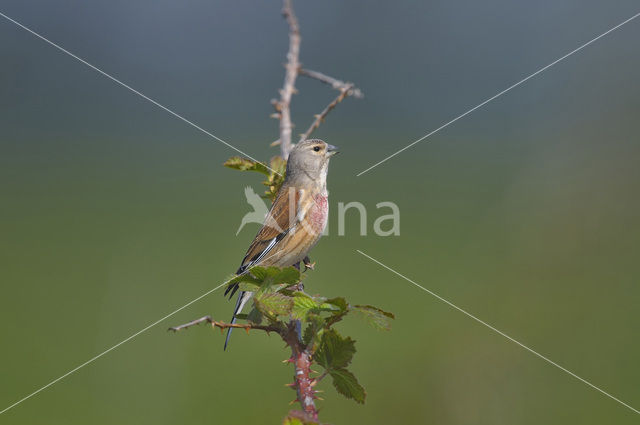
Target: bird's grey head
<point>309,161</point>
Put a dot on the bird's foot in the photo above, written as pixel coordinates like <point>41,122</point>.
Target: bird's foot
<point>297,287</point>
<point>308,265</point>
<point>206,319</point>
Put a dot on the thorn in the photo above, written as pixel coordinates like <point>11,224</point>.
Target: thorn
<point>319,391</point>
<point>292,385</point>
<point>247,330</point>
<point>293,402</point>
<point>319,398</point>
<point>289,360</point>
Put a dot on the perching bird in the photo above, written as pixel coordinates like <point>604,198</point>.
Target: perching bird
<point>296,219</point>
<point>259,212</point>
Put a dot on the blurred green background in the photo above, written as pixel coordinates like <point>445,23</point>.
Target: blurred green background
<point>525,213</point>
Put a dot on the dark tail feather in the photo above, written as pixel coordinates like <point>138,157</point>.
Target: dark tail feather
<point>239,306</point>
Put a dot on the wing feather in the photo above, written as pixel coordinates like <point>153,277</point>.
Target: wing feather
<point>286,212</point>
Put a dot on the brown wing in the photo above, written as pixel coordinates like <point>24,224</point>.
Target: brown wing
<point>282,218</point>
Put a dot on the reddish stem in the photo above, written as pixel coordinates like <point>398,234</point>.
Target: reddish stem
<point>302,381</point>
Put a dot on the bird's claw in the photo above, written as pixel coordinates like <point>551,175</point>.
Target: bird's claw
<point>308,265</point>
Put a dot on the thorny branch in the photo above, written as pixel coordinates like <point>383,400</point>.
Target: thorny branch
<point>303,383</point>
<point>222,325</point>
<point>293,68</point>
<point>344,92</point>
<point>333,82</point>
<point>283,107</point>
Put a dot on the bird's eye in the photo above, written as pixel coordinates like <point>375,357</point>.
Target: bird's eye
<point>316,148</point>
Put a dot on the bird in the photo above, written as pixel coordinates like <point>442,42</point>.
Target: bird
<point>296,220</point>
<point>259,212</point>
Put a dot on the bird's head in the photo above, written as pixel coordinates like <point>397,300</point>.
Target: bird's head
<point>309,160</point>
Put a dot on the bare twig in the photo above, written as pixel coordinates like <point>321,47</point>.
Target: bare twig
<point>222,325</point>
<point>283,107</point>
<point>333,82</point>
<point>292,70</point>
<point>322,115</point>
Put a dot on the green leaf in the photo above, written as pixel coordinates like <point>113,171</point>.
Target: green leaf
<point>302,305</point>
<point>296,417</point>
<point>274,304</point>
<point>246,282</point>
<point>347,385</point>
<point>308,334</point>
<point>378,318</point>
<point>292,421</point>
<point>276,177</point>
<point>338,303</point>
<point>338,308</point>
<point>245,164</point>
<point>313,330</point>
<point>335,352</point>
<point>261,273</point>
<point>254,316</point>
<point>289,275</point>
<point>279,164</point>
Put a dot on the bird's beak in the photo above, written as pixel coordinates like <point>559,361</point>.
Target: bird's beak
<point>332,150</point>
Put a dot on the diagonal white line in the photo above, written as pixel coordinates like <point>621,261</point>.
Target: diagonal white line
<point>500,94</point>
<point>142,95</point>
<point>499,332</point>
<point>113,347</point>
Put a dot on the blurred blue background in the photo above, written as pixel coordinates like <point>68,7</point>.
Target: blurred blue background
<point>113,213</point>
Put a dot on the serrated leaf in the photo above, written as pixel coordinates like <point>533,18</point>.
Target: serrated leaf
<point>292,421</point>
<point>246,164</point>
<point>335,352</point>
<point>308,334</point>
<point>275,177</point>
<point>274,304</point>
<point>278,164</point>
<point>297,417</point>
<point>245,282</point>
<point>248,286</point>
<point>347,384</point>
<point>338,303</point>
<point>289,275</point>
<point>313,330</point>
<point>302,305</point>
<point>378,318</point>
<point>254,316</point>
<point>261,273</point>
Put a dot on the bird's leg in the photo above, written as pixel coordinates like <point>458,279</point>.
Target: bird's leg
<point>297,287</point>
<point>191,323</point>
<point>308,265</point>
<point>299,329</point>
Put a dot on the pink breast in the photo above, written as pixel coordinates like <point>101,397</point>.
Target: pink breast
<point>319,213</point>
